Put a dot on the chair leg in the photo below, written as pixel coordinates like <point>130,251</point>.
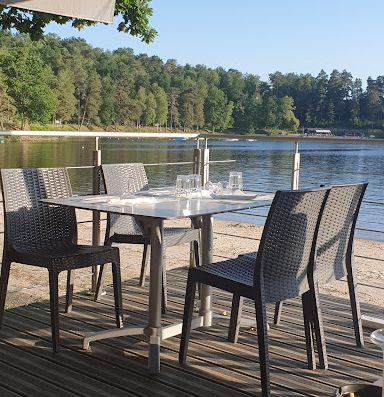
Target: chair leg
<point>54,305</point>
<point>116,275</point>
<point>355,306</point>
<point>100,283</point>
<point>164,295</point>
<point>262,337</point>
<point>197,260</point>
<point>144,264</point>
<point>197,253</point>
<point>317,322</point>
<point>187,320</point>
<point>306,302</point>
<point>69,293</point>
<point>235,320</point>
<point>277,315</point>
<point>5,269</point>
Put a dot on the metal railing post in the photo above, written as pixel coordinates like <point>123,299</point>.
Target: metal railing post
<point>295,168</point>
<point>205,164</point>
<point>201,162</point>
<point>96,214</point>
<point>197,159</point>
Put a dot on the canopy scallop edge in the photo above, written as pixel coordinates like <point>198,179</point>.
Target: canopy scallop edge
<point>93,10</point>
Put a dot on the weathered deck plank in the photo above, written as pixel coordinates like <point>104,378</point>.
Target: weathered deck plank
<point>215,367</point>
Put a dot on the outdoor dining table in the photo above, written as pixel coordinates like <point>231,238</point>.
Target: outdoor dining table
<point>150,209</point>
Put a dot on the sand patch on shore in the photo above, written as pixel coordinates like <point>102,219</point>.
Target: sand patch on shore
<point>28,284</point>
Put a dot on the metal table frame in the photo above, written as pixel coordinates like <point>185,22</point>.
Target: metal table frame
<point>151,216</point>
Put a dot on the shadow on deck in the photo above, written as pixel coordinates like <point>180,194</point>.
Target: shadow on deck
<point>215,367</point>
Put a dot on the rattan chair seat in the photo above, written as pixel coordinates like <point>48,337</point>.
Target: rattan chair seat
<point>65,256</point>
<point>172,236</point>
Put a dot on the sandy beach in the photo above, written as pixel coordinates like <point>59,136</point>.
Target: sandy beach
<point>28,284</point>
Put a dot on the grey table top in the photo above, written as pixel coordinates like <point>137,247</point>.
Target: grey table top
<point>162,203</point>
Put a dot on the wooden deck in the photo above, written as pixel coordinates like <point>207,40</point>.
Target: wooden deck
<point>117,367</point>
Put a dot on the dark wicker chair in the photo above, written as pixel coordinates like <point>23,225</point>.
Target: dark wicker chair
<point>279,271</point>
<point>38,234</point>
<point>126,178</point>
<point>334,247</point>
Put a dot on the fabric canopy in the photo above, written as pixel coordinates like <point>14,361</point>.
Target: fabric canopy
<point>94,10</point>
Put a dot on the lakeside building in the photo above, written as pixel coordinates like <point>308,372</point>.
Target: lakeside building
<point>317,131</point>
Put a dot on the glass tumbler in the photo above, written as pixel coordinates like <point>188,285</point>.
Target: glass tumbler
<point>195,184</point>
<point>183,186</point>
<point>235,181</point>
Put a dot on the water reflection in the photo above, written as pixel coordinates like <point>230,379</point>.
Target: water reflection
<point>266,166</point>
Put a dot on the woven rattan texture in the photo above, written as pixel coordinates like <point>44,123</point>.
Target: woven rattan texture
<point>335,231</point>
<point>285,249</point>
<point>40,234</point>
<point>125,178</point>
<point>30,223</point>
<point>119,179</point>
<point>287,243</point>
<point>239,270</point>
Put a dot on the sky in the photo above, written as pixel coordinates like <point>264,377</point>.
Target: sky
<point>258,36</point>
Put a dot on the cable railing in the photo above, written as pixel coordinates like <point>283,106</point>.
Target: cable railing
<point>200,164</point>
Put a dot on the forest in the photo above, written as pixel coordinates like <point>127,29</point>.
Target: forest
<point>66,81</point>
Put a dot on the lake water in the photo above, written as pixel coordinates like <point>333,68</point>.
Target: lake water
<point>266,166</point>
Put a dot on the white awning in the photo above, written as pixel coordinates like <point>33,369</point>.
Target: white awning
<point>93,10</point>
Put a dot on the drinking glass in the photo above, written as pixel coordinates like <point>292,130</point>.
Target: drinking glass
<point>235,181</point>
<point>195,183</point>
<point>183,186</point>
<point>214,188</point>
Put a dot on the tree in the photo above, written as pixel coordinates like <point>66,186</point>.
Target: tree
<point>7,108</point>
<point>319,97</point>
<point>161,105</point>
<point>354,110</point>
<point>108,114</point>
<point>187,109</point>
<point>141,98</point>
<point>150,110</point>
<point>64,90</point>
<point>286,117</point>
<point>250,119</point>
<point>134,15</point>
<point>267,112</point>
<point>173,110</point>
<point>218,113</point>
<point>373,101</point>
<point>92,99</point>
<point>27,85</point>
<point>227,120</point>
<point>198,111</point>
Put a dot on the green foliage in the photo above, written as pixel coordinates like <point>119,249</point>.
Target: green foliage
<point>26,78</point>
<point>286,116</point>
<point>149,114</point>
<point>134,16</point>
<point>108,106</point>
<point>217,113</point>
<point>161,106</point>
<point>64,91</point>
<point>173,109</point>
<point>70,81</point>
<point>7,108</point>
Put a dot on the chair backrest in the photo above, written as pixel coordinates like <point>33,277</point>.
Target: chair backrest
<point>28,222</point>
<point>119,179</point>
<point>337,227</point>
<point>288,243</point>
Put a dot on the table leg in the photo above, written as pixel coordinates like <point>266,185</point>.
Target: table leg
<point>153,330</point>
<point>207,253</point>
